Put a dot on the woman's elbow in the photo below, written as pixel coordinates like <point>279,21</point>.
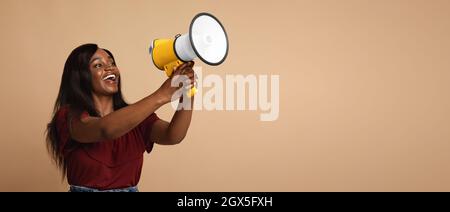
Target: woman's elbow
<point>174,140</point>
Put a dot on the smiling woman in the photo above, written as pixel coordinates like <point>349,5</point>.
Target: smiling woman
<point>97,139</point>
<point>104,72</point>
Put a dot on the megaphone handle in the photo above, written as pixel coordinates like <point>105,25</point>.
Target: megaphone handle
<point>169,71</point>
<point>168,68</point>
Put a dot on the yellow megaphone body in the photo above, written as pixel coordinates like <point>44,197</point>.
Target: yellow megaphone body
<point>163,58</point>
<point>206,40</point>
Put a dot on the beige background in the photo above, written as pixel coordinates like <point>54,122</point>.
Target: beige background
<point>364,92</point>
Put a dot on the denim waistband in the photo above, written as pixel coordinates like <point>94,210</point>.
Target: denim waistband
<point>74,188</point>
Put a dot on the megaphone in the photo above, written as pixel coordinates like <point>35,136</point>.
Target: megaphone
<point>206,40</point>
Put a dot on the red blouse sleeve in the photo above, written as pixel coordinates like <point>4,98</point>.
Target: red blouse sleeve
<point>62,127</point>
<point>145,128</point>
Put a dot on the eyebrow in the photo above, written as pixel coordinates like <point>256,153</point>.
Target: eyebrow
<point>98,58</point>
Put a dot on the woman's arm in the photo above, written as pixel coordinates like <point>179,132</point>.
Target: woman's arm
<point>118,123</point>
<point>165,133</point>
<point>93,129</point>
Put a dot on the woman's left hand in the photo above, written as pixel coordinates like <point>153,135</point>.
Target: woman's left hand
<point>188,71</point>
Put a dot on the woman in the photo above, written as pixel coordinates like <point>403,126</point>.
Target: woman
<point>97,139</point>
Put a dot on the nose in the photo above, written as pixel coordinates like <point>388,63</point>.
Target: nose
<point>109,67</point>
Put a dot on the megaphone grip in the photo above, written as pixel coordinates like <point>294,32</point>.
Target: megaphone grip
<point>169,68</point>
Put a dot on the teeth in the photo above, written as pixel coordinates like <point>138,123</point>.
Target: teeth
<point>110,76</point>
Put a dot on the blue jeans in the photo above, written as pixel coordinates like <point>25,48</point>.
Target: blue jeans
<point>86,189</point>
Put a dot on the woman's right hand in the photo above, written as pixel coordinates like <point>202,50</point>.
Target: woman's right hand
<point>167,91</point>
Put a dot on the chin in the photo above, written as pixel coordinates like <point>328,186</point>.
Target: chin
<point>111,89</point>
<point>113,92</point>
<point>108,92</point>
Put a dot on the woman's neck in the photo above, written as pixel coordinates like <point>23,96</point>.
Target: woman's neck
<point>103,104</point>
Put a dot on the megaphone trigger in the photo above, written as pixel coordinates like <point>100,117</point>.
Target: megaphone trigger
<point>192,92</point>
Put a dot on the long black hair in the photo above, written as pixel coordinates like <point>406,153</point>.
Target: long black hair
<point>75,92</point>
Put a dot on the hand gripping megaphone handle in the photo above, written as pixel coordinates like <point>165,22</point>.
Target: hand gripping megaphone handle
<point>169,71</point>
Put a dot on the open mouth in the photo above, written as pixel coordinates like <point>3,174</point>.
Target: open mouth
<point>112,78</point>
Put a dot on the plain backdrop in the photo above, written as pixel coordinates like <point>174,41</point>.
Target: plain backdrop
<point>364,92</point>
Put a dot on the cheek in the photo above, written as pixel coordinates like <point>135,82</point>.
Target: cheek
<point>96,78</point>
<point>96,75</point>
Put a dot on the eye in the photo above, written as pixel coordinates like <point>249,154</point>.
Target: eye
<point>98,65</point>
